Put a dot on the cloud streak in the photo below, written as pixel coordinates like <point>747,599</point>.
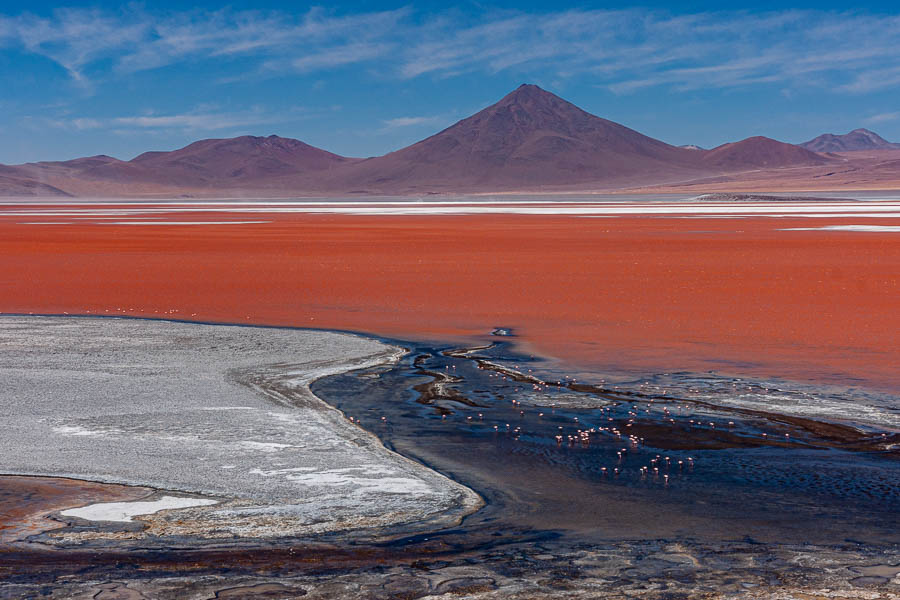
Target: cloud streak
<point>622,50</point>
<point>883,118</point>
<point>412,122</point>
<point>192,121</point>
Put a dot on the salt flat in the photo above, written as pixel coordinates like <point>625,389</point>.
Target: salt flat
<point>219,411</point>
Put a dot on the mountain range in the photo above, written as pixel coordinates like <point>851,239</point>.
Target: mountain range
<point>531,140</point>
<point>855,141</point>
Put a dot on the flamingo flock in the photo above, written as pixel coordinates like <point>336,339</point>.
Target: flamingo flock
<point>611,432</point>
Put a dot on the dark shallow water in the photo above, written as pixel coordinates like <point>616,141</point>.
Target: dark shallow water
<point>623,464</point>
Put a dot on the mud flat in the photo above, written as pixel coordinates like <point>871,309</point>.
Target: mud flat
<point>218,420</point>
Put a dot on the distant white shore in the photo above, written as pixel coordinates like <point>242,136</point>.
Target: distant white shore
<point>192,212</point>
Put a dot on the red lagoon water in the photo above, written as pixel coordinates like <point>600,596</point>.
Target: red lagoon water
<point>625,293</point>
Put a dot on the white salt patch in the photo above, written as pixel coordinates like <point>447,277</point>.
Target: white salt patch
<point>264,446</point>
<point>273,472</point>
<point>872,228</point>
<point>121,512</point>
<point>393,485</point>
<point>361,481</point>
<point>75,430</point>
<point>287,418</point>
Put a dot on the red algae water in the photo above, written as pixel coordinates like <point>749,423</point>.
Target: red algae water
<point>646,293</point>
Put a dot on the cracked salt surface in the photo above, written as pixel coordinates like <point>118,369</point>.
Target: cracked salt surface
<point>357,480</point>
<point>263,446</point>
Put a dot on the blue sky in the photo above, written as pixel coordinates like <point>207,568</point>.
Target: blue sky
<point>369,77</point>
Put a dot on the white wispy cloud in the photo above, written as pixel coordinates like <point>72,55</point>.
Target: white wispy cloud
<point>412,122</point>
<point>207,122</point>
<point>623,50</point>
<point>883,117</point>
<point>192,121</point>
<point>73,38</point>
<point>335,57</point>
<point>81,123</point>
<point>874,80</point>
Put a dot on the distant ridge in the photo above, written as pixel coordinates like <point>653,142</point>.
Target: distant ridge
<point>242,158</point>
<point>759,152</point>
<point>14,186</point>
<point>530,140</point>
<point>223,164</point>
<point>856,140</point>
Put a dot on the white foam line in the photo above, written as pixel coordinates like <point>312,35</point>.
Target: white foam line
<point>179,222</point>
<point>157,205</point>
<point>121,512</point>
<point>572,211</point>
<point>318,202</point>
<point>82,212</point>
<point>661,199</point>
<point>575,211</point>
<point>869,228</point>
<point>780,209</point>
<point>891,215</point>
<point>130,216</point>
<point>371,205</point>
<point>227,207</point>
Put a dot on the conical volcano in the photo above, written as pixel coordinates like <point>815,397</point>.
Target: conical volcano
<point>530,138</point>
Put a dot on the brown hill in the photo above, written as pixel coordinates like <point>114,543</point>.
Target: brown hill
<point>17,186</point>
<point>241,159</point>
<point>63,168</point>
<point>223,164</point>
<point>529,139</point>
<point>761,152</point>
<point>855,141</point>
<point>91,168</point>
<point>80,164</point>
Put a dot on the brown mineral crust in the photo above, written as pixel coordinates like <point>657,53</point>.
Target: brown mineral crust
<point>26,502</point>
